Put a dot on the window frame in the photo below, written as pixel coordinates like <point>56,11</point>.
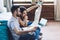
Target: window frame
<point>28,2</point>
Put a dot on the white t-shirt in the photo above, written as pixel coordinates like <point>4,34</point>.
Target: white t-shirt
<point>14,23</point>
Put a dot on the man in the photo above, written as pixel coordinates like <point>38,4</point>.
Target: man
<point>15,28</point>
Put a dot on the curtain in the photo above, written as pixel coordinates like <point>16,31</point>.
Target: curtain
<point>8,5</point>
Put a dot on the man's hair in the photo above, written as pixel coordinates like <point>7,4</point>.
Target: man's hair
<point>22,8</point>
<point>13,8</point>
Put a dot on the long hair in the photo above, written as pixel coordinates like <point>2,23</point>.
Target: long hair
<point>22,8</point>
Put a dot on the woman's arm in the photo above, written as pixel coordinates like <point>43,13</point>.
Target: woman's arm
<point>21,22</point>
<point>31,8</point>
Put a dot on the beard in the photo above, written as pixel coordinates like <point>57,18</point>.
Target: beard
<point>21,17</point>
<point>17,15</point>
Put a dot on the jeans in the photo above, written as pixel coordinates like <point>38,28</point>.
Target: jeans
<point>31,37</point>
<point>26,37</point>
<point>37,32</point>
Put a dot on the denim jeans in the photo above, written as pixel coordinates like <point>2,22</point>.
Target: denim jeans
<point>37,32</point>
<point>31,37</point>
<point>27,37</point>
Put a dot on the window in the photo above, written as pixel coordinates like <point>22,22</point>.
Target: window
<point>48,0</point>
<point>31,0</point>
<point>26,2</point>
<point>22,0</point>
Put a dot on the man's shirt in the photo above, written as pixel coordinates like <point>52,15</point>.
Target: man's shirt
<point>14,23</point>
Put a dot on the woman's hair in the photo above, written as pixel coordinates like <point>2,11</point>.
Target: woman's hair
<point>22,8</point>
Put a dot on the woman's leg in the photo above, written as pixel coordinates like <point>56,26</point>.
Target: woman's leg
<point>29,23</point>
<point>37,32</point>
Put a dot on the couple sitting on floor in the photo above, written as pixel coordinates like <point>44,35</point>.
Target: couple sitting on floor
<point>19,17</point>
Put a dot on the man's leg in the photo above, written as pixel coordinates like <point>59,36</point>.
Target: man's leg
<point>26,37</point>
<point>37,32</point>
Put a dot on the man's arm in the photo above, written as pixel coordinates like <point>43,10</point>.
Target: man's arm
<point>21,32</point>
<point>18,30</point>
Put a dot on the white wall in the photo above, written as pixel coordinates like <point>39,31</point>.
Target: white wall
<point>8,4</point>
<point>57,10</point>
<point>2,8</point>
<point>1,3</point>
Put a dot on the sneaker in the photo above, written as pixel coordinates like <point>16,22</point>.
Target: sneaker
<point>41,34</point>
<point>40,37</point>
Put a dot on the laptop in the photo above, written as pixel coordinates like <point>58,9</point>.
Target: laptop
<point>43,22</point>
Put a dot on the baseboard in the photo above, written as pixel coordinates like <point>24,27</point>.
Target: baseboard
<point>57,19</point>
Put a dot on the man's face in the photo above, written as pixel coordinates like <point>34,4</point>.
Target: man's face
<point>18,12</point>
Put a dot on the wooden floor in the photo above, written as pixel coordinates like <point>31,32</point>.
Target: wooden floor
<point>51,31</point>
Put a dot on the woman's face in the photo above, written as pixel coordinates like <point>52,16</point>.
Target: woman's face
<point>24,13</point>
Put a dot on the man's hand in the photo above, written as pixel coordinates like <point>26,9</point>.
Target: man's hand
<point>33,29</point>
